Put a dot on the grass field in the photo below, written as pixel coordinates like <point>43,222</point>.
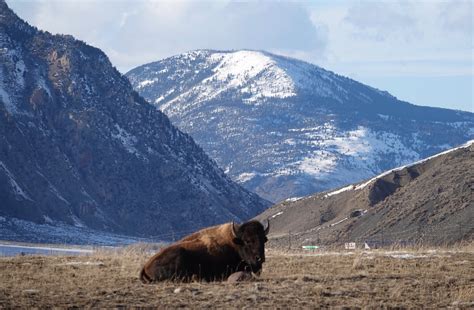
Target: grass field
<point>406,278</point>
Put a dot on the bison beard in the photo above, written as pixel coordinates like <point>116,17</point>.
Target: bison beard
<point>210,254</point>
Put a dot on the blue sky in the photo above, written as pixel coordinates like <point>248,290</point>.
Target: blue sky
<point>419,51</point>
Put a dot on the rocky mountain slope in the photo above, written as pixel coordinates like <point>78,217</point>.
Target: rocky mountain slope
<point>286,128</point>
<point>79,146</point>
<point>431,202</point>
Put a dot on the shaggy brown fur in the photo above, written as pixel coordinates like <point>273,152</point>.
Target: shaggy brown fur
<point>210,254</point>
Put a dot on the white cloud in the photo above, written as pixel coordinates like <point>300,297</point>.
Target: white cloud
<point>382,21</point>
<point>457,17</point>
<point>136,32</point>
<point>366,40</point>
<point>397,38</point>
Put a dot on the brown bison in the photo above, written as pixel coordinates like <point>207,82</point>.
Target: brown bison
<point>210,254</point>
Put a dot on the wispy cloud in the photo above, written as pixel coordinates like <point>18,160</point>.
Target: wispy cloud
<point>382,21</point>
<point>396,38</point>
<point>135,32</point>
<point>366,40</point>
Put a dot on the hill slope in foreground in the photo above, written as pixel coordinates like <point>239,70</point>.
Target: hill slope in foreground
<point>430,202</point>
<point>78,146</point>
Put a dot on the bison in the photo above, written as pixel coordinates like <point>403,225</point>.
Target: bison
<point>210,254</point>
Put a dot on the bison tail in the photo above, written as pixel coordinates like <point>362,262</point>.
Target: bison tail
<point>144,277</point>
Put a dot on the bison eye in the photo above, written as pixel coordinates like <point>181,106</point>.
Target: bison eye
<point>238,241</point>
<point>265,239</point>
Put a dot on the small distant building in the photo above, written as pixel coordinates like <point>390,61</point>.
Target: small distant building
<point>350,245</point>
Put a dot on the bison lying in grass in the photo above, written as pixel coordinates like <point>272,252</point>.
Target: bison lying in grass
<point>210,254</point>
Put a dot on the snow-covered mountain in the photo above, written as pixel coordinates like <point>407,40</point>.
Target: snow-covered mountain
<point>284,127</point>
<point>78,146</point>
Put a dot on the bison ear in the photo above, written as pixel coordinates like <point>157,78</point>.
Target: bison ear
<point>238,241</point>
<point>267,229</point>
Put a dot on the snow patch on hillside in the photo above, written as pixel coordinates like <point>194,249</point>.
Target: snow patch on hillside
<point>21,230</point>
<point>20,70</point>
<point>128,140</point>
<point>319,163</point>
<point>253,74</point>
<point>9,105</point>
<point>246,176</point>
<point>19,192</point>
<point>77,222</point>
<point>363,185</point>
<point>350,146</point>
<point>293,199</point>
<point>341,190</point>
<point>145,83</point>
<point>254,111</point>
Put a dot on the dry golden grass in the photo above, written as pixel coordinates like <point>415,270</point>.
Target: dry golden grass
<point>427,278</point>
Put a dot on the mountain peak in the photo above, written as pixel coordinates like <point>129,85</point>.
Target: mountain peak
<point>253,75</point>
<point>284,127</point>
<point>9,19</point>
<point>79,146</point>
<point>256,74</point>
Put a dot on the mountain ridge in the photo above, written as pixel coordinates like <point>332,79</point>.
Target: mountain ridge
<point>428,202</point>
<point>80,147</point>
<point>284,127</point>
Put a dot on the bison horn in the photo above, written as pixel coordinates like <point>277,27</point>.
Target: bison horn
<point>234,230</point>
<point>267,229</point>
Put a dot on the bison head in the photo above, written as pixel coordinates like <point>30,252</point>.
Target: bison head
<point>249,239</point>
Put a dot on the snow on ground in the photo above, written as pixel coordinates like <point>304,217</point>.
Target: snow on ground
<point>339,153</point>
<point>341,190</point>
<point>303,76</point>
<point>53,249</point>
<point>373,253</point>
<point>55,191</point>
<point>24,231</point>
<point>77,222</point>
<point>406,256</point>
<point>293,199</point>
<point>277,214</point>
<point>363,185</point>
<point>246,176</point>
<point>145,83</point>
<point>339,222</point>
<point>237,69</point>
<point>20,69</point>
<point>9,105</point>
<point>19,192</point>
<point>128,140</point>
<point>255,75</point>
<point>360,143</point>
<point>81,264</point>
<point>319,163</point>
<point>252,73</point>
